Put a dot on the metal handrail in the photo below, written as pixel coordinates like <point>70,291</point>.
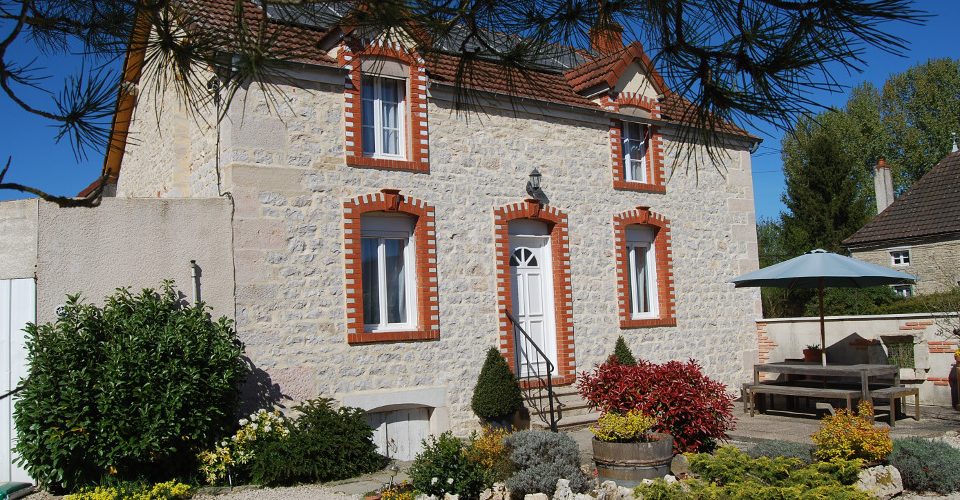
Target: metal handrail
<point>552,417</point>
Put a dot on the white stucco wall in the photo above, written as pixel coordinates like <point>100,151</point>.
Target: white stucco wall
<point>861,339</point>
<point>18,238</point>
<point>120,243</point>
<point>286,171</point>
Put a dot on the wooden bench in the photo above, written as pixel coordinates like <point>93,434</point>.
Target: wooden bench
<point>750,392</point>
<point>892,394</point>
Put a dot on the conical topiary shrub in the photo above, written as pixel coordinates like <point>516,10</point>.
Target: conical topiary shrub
<point>496,395</point>
<point>622,354</point>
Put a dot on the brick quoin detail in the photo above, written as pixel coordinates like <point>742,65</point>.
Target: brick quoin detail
<point>941,381</point>
<point>765,345</point>
<point>941,347</point>
<point>417,129</point>
<point>916,325</point>
<point>666,295</point>
<point>562,291</point>
<point>655,156</point>
<point>425,248</point>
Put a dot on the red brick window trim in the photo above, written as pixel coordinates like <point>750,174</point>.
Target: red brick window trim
<point>655,156</point>
<point>556,220</point>
<point>425,266</point>
<point>417,149</point>
<point>663,258</point>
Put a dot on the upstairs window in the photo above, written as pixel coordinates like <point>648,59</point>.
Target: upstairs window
<point>636,141</point>
<point>641,268</point>
<point>383,116</point>
<point>900,257</point>
<point>387,272</point>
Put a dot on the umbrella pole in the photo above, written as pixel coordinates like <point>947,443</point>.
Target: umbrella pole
<point>823,333</point>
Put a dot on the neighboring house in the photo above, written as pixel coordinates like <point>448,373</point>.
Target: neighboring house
<point>919,232</point>
<point>378,237</point>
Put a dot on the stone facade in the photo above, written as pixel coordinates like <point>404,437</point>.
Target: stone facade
<point>286,172</point>
<point>932,261</point>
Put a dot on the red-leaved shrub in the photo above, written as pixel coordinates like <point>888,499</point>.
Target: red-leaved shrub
<point>686,403</point>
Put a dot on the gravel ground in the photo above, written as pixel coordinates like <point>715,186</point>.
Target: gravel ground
<point>305,492</point>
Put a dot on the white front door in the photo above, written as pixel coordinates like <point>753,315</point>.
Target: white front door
<point>531,282</point>
<point>18,306</point>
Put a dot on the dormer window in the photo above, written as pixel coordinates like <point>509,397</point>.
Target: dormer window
<point>636,142</point>
<point>383,116</point>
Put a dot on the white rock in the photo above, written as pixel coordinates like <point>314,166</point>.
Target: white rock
<point>448,496</point>
<point>536,496</point>
<point>563,490</point>
<point>497,492</point>
<point>670,479</point>
<point>882,481</point>
<point>583,496</point>
<point>625,493</point>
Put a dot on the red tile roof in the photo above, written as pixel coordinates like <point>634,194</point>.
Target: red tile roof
<point>492,77</point>
<point>607,69</point>
<point>929,208</point>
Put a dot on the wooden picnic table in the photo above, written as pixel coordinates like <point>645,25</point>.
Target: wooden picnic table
<point>862,371</point>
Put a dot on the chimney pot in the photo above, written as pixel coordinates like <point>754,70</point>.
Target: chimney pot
<point>606,38</point>
<point>882,185</point>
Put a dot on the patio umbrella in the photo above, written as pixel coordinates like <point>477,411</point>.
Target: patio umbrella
<point>819,269</point>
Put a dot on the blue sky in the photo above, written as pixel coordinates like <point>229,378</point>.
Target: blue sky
<point>40,162</point>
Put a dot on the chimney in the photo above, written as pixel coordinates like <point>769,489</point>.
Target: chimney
<point>606,37</point>
<point>883,185</point>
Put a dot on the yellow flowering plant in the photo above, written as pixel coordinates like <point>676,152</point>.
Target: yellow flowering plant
<point>489,449</point>
<point>633,426</point>
<point>170,490</point>
<point>232,455</point>
<point>849,436</point>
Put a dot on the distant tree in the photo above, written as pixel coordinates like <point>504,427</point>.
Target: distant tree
<point>734,61</point>
<point>921,110</point>
<point>777,302</point>
<point>824,199</point>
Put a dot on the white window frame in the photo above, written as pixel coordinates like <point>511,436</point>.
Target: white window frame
<point>410,279</point>
<point>378,83</point>
<point>899,257</point>
<point>626,138</point>
<point>651,266</point>
<point>905,291</point>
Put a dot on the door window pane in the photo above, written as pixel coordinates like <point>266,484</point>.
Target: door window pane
<point>370,277</point>
<point>640,281</point>
<point>396,282</point>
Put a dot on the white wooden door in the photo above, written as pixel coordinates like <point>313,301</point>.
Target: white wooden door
<point>18,306</point>
<point>399,434</point>
<point>531,282</point>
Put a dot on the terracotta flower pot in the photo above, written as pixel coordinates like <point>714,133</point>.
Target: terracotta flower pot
<point>629,463</point>
<point>811,355</point>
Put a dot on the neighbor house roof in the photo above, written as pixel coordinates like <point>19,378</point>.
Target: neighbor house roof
<point>929,208</point>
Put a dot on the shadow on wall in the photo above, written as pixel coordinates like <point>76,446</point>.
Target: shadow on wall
<point>855,349</point>
<point>259,391</point>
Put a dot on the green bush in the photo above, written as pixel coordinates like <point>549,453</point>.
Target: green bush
<point>774,448</point>
<point>927,465</point>
<point>540,459</point>
<point>852,301</point>
<point>947,301</point>
<point>622,353</point>
<point>497,394</point>
<point>324,444</point>
<point>133,390</point>
<point>731,474</point>
<point>444,467</point>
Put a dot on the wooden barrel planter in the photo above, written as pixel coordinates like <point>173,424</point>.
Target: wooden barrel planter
<point>629,463</point>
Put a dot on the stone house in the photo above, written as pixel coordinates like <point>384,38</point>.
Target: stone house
<point>919,232</point>
<point>376,238</point>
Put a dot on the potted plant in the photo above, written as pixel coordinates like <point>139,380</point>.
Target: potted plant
<point>626,451</point>
<point>497,399</point>
<point>812,353</point>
